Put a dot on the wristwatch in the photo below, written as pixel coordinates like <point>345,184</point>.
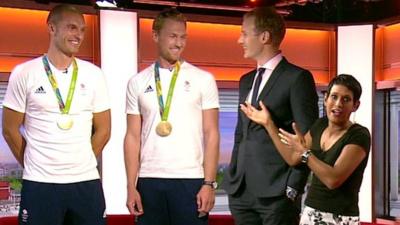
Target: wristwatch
<point>212,184</point>
<point>291,193</point>
<point>305,156</point>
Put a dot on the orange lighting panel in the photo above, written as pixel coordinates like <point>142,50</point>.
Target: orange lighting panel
<point>25,36</point>
<point>390,52</point>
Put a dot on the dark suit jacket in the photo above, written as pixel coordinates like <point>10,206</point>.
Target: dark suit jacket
<point>289,95</point>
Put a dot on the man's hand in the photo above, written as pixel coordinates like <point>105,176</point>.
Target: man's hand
<point>205,199</point>
<point>134,202</point>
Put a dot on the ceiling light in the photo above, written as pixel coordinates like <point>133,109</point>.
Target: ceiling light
<point>106,3</point>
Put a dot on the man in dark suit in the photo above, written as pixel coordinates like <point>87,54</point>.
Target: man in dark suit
<point>262,188</point>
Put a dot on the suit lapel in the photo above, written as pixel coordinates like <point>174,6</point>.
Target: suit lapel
<point>247,85</point>
<point>280,68</point>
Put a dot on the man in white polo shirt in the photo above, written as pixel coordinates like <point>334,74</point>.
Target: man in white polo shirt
<point>62,104</point>
<point>172,138</point>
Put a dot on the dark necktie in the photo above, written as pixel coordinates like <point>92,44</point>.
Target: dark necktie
<point>256,88</point>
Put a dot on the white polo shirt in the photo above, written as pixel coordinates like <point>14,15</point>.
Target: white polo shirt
<point>53,155</point>
<point>179,155</point>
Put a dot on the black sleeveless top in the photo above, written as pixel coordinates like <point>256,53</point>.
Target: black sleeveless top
<point>344,199</point>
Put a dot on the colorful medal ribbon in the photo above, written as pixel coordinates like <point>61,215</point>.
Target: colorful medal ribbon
<point>164,111</point>
<point>64,108</point>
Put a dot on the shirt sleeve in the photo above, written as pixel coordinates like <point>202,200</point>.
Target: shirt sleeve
<point>132,105</point>
<point>361,137</point>
<point>209,90</point>
<point>16,93</point>
<point>101,100</point>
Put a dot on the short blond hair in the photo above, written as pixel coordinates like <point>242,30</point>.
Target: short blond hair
<point>169,13</point>
<point>56,13</point>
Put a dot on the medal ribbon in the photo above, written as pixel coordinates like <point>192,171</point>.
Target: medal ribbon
<point>64,108</point>
<point>164,111</point>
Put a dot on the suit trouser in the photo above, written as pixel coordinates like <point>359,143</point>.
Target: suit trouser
<point>248,209</point>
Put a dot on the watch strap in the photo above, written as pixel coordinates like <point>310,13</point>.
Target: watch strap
<point>305,156</point>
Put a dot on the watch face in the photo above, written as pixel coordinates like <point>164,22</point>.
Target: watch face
<point>213,184</point>
<point>303,159</point>
<point>291,194</point>
<point>304,156</point>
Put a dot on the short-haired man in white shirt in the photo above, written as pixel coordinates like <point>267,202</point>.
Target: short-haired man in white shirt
<point>172,139</point>
<point>62,104</point>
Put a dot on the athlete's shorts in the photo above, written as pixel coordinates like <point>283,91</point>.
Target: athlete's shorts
<point>170,202</point>
<point>79,203</point>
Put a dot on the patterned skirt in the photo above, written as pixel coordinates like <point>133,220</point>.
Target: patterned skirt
<point>312,216</point>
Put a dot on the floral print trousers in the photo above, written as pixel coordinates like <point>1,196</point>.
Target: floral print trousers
<point>312,216</point>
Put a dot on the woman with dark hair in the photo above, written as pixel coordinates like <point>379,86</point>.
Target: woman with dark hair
<point>335,149</point>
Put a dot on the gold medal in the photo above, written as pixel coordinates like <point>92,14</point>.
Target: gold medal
<point>163,128</point>
<point>65,122</point>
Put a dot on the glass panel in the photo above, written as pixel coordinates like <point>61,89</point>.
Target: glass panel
<point>394,125</point>
<point>380,153</point>
<point>229,99</point>
<point>10,172</point>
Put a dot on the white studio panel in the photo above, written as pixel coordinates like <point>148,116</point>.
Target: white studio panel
<point>355,57</point>
<point>118,38</point>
